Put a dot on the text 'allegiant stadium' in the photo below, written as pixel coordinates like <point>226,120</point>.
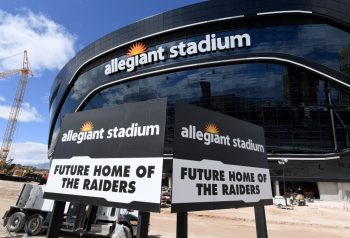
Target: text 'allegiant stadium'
<point>139,56</point>
<point>212,136</point>
<point>134,130</point>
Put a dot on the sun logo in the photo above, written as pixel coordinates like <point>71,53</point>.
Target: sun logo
<point>87,126</point>
<point>212,128</point>
<point>137,48</point>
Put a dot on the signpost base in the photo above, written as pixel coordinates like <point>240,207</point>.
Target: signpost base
<point>142,226</point>
<point>260,221</point>
<point>181,225</point>
<point>56,220</point>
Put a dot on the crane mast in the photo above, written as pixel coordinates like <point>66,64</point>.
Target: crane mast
<point>16,107</point>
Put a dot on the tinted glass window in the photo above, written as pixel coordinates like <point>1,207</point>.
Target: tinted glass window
<point>289,103</point>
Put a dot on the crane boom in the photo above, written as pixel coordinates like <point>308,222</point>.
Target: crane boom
<point>10,73</point>
<point>16,107</point>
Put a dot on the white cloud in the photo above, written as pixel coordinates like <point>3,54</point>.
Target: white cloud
<point>48,43</point>
<point>29,153</point>
<point>2,99</point>
<point>28,113</point>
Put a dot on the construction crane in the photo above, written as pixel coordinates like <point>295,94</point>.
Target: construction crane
<point>15,109</point>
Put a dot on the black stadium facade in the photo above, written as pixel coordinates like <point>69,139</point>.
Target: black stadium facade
<point>283,65</point>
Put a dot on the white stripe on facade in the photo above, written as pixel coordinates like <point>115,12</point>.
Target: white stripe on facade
<point>283,12</point>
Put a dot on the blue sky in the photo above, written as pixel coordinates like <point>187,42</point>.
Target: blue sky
<point>52,32</point>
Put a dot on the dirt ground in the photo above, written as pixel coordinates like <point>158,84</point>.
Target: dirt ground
<point>320,219</point>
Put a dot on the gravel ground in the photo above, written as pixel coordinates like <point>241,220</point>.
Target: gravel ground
<point>320,219</point>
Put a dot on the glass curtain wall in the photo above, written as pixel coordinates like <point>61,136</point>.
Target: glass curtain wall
<point>288,102</point>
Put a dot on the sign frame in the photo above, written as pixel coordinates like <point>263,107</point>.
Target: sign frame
<point>208,140</point>
<point>128,136</point>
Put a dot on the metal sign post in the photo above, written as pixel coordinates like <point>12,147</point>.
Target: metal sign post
<point>56,220</point>
<point>142,226</point>
<point>181,225</point>
<point>260,222</point>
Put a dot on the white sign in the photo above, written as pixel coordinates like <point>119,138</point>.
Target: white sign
<point>213,181</point>
<point>121,180</point>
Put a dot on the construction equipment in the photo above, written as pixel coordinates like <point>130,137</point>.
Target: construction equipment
<point>15,109</point>
<point>298,198</point>
<point>32,213</point>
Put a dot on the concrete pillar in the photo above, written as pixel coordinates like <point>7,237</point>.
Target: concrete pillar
<point>340,192</point>
<point>170,183</point>
<point>277,188</point>
<point>328,191</point>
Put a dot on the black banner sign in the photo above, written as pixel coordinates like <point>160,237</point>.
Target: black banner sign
<point>204,134</point>
<point>128,130</point>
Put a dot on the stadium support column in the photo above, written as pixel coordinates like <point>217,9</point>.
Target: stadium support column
<point>340,191</point>
<point>277,188</point>
<point>170,183</point>
<point>330,107</point>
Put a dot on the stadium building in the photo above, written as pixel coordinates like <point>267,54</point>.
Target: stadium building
<point>284,65</point>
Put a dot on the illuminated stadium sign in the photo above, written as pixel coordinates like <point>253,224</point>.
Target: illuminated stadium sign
<point>138,54</point>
